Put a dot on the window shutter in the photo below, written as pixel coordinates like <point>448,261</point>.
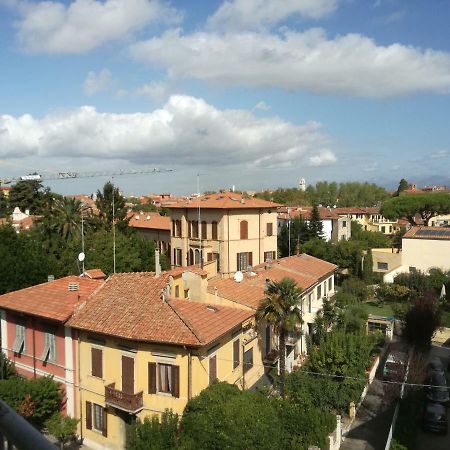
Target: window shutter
<point>152,378</point>
<point>88,415</point>
<point>214,230</point>
<point>97,364</point>
<point>244,229</point>
<point>236,354</point>
<point>250,258</point>
<point>176,381</point>
<point>105,422</point>
<point>269,229</point>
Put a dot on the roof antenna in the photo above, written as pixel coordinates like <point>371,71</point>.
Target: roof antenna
<point>113,227</point>
<point>199,222</point>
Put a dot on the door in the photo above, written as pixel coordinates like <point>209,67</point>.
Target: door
<point>127,375</point>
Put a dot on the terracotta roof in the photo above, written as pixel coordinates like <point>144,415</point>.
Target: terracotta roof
<point>209,322</point>
<point>305,212</point>
<point>305,270</point>
<point>358,210</point>
<point>95,274</point>
<point>435,233</point>
<point>129,305</point>
<point>223,200</point>
<point>149,220</point>
<point>51,300</point>
<point>179,270</point>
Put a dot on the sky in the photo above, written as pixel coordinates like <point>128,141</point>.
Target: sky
<point>251,93</point>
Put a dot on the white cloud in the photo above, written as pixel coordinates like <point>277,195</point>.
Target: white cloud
<point>82,25</point>
<point>98,82</point>
<point>262,105</point>
<point>156,90</point>
<point>186,131</point>
<point>351,64</point>
<point>323,158</point>
<point>251,14</point>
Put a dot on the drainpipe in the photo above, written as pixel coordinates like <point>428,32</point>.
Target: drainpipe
<point>228,216</point>
<point>259,237</point>
<point>189,375</point>
<point>243,367</point>
<point>34,347</point>
<point>79,387</point>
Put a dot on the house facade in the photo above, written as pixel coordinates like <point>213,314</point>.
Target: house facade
<point>235,231</point>
<point>146,346</point>
<point>314,276</point>
<point>34,334</point>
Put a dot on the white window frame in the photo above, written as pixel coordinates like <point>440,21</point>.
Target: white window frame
<point>95,408</point>
<point>159,369</point>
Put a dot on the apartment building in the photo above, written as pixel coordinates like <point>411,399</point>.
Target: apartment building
<point>235,231</point>
<point>34,333</point>
<point>146,345</point>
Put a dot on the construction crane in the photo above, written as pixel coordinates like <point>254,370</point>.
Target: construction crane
<point>76,175</point>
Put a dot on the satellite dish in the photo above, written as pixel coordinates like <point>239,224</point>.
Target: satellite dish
<point>238,276</point>
<point>81,257</point>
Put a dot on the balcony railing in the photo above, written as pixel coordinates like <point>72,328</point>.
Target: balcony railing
<point>127,402</point>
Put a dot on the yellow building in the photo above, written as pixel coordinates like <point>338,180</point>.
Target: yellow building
<point>235,231</point>
<point>141,350</point>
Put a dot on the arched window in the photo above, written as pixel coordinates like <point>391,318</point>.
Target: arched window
<point>204,230</point>
<point>214,230</point>
<point>244,229</point>
<point>197,257</point>
<point>194,229</point>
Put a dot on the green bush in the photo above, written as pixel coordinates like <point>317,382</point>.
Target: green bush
<point>63,428</point>
<point>355,287</point>
<point>36,399</point>
<point>154,433</point>
<point>344,299</point>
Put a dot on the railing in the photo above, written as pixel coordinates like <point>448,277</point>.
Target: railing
<point>123,400</point>
<point>272,357</point>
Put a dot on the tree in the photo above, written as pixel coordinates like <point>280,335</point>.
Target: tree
<point>63,428</point>
<point>65,218</point>
<point>315,225</point>
<point>30,195</point>
<point>296,235</point>
<point>154,433</point>
<point>367,269</point>
<point>4,207</point>
<point>280,309</point>
<point>368,239</point>
<point>426,205</point>
<point>403,185</point>
<point>318,248</point>
<point>422,321</point>
<point>7,369</point>
<point>110,202</point>
<point>353,319</point>
<point>223,416</point>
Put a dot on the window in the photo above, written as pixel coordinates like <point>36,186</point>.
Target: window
<point>248,360</point>
<point>214,257</point>
<point>177,291</point>
<point>178,228</point>
<point>189,228</point>
<point>244,260</point>
<point>236,353</point>
<point>325,289</point>
<point>330,283</point>
<point>96,362</point>
<point>382,265</point>
<point>186,293</point>
<point>310,299</point>
<point>214,230</point>
<point>412,269</point>
<point>177,256</point>
<point>194,229</point>
<point>319,292</point>
<point>383,229</point>
<point>98,417</point>
<point>19,341</point>
<point>212,369</point>
<point>270,229</point>
<point>49,353</point>
<point>190,257</point>
<point>204,230</point>
<point>344,224</point>
<point>269,256</point>
<point>244,229</point>
<point>164,378</point>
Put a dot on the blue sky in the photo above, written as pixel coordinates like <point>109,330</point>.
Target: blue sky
<point>251,93</point>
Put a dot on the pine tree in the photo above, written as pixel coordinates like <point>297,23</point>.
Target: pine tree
<point>315,224</point>
<point>367,268</point>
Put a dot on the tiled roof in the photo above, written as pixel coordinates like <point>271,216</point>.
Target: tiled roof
<point>149,220</point>
<point>129,305</point>
<point>209,322</point>
<point>224,200</point>
<point>357,210</point>
<point>51,300</point>
<point>305,270</point>
<point>179,270</point>
<point>95,274</point>
<point>305,212</point>
<point>435,233</point>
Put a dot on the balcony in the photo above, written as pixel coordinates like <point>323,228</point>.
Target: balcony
<point>131,403</point>
<point>272,357</point>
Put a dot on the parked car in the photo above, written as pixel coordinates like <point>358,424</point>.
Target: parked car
<point>435,365</point>
<point>435,418</point>
<point>395,366</point>
<point>439,392</point>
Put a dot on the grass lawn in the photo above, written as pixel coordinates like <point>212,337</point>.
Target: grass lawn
<point>384,310</point>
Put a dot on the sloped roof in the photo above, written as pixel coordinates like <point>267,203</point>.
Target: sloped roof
<point>304,269</point>
<point>130,306</point>
<point>51,300</point>
<point>95,274</point>
<point>305,212</point>
<point>149,221</point>
<point>422,232</point>
<point>224,200</point>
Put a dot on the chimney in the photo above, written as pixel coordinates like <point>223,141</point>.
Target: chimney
<point>157,265</point>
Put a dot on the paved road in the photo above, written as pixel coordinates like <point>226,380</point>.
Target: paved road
<point>429,441</point>
<point>371,426</point>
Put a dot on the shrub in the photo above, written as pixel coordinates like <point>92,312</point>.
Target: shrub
<point>63,428</point>
<point>355,287</point>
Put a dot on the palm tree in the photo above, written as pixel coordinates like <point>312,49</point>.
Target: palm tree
<point>281,309</point>
<point>65,220</point>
